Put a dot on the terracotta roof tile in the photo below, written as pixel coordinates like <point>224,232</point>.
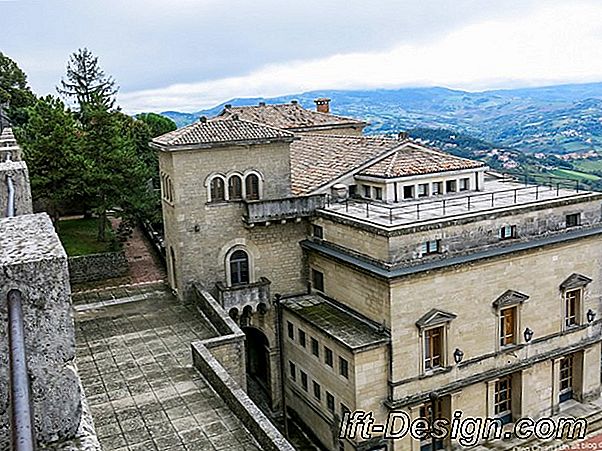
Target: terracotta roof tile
<point>221,132</point>
<point>318,159</point>
<point>290,116</point>
<point>415,160</point>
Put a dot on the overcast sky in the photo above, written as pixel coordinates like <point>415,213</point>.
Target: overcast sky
<point>186,55</point>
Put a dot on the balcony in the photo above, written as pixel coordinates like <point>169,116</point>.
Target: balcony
<point>270,210</point>
<point>240,296</point>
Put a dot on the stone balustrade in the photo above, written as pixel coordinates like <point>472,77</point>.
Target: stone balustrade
<point>240,296</point>
<point>269,210</point>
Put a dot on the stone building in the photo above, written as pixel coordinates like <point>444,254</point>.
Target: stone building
<point>373,273</point>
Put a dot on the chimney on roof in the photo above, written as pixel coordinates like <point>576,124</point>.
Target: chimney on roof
<point>322,105</point>
<point>228,106</point>
<point>294,102</point>
<point>402,136</point>
<point>203,119</point>
<point>261,103</point>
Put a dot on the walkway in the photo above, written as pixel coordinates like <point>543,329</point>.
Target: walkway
<point>133,355</point>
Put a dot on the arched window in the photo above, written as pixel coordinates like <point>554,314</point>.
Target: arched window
<point>252,187</point>
<point>235,188</point>
<point>239,267</point>
<point>217,190</point>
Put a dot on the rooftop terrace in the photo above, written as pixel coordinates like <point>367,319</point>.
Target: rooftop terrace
<point>497,195</point>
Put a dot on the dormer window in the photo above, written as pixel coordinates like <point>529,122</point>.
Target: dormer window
<point>423,190</point>
<point>437,188</point>
<point>378,193</point>
<point>464,184</point>
<point>450,186</point>
<point>367,191</point>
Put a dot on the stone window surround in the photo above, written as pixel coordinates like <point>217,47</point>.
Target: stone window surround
<point>226,180</point>
<point>231,251</point>
<point>515,401</point>
<point>433,319</point>
<point>509,299</point>
<point>575,282</point>
<point>167,193</point>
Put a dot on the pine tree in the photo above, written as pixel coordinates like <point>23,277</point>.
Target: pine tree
<point>15,95</point>
<point>86,82</point>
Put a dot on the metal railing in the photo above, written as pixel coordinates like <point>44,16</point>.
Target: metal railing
<point>21,416</point>
<point>417,211</point>
<point>10,208</point>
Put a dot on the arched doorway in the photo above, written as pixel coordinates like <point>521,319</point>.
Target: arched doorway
<point>258,360</point>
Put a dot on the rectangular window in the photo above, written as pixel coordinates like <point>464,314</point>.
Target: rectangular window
<point>408,192</point>
<point>367,191</point>
<point>507,232</point>
<point>508,326</point>
<point>566,378</point>
<point>431,247</point>
<point>464,184</point>
<point>317,231</point>
<point>426,411</point>
<point>352,190</point>
<point>572,300</point>
<point>293,370</point>
<point>450,186</point>
<point>378,193</point>
<point>315,347</point>
<point>291,330</point>
<point>503,399</point>
<point>317,279</point>
<point>317,391</point>
<point>303,380</point>
<point>330,401</point>
<point>437,188</point>
<point>423,190</point>
<point>344,409</point>
<point>433,348</point>
<point>343,367</point>
<point>573,220</point>
<point>328,357</point>
<point>301,338</point>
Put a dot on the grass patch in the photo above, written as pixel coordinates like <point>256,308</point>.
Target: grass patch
<point>574,175</point>
<point>588,165</point>
<point>79,237</point>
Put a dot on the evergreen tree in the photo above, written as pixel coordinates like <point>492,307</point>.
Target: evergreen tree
<point>86,82</point>
<point>15,95</point>
<point>157,124</point>
<point>50,142</point>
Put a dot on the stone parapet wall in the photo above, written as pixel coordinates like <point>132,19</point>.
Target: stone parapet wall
<point>33,261</point>
<point>88,268</point>
<point>266,434</point>
<point>17,172</point>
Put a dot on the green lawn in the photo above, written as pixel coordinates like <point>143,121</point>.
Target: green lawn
<point>588,165</point>
<point>575,175</point>
<point>79,237</point>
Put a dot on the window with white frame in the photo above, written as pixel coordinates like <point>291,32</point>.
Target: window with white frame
<point>239,267</point>
<point>507,232</point>
<point>367,191</point>
<point>423,190</point>
<point>433,332</point>
<point>437,188</point>
<point>464,184</point>
<point>431,247</point>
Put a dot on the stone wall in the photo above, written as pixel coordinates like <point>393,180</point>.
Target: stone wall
<point>33,261</point>
<point>87,268</point>
<point>237,400</point>
<point>229,347</point>
<point>17,171</point>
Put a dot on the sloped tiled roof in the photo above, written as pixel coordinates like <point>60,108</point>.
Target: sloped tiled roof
<point>290,116</point>
<point>318,159</point>
<point>415,160</point>
<point>212,132</point>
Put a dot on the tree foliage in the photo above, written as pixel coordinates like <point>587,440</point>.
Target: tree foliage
<point>158,125</point>
<point>15,95</point>
<point>51,142</point>
<point>86,83</point>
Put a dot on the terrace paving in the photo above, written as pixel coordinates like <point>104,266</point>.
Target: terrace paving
<point>133,355</point>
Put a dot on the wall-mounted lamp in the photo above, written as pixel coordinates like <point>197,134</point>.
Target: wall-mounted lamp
<point>591,315</point>
<point>458,355</point>
<point>528,334</point>
<point>197,228</point>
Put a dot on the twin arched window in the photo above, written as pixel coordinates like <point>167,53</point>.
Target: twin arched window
<point>239,267</point>
<point>234,189</point>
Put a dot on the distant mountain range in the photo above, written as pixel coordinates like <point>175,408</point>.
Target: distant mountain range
<point>554,119</point>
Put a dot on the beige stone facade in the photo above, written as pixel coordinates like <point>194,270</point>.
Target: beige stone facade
<point>386,302</point>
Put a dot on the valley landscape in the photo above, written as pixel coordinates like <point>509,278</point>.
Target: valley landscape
<point>555,130</point>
